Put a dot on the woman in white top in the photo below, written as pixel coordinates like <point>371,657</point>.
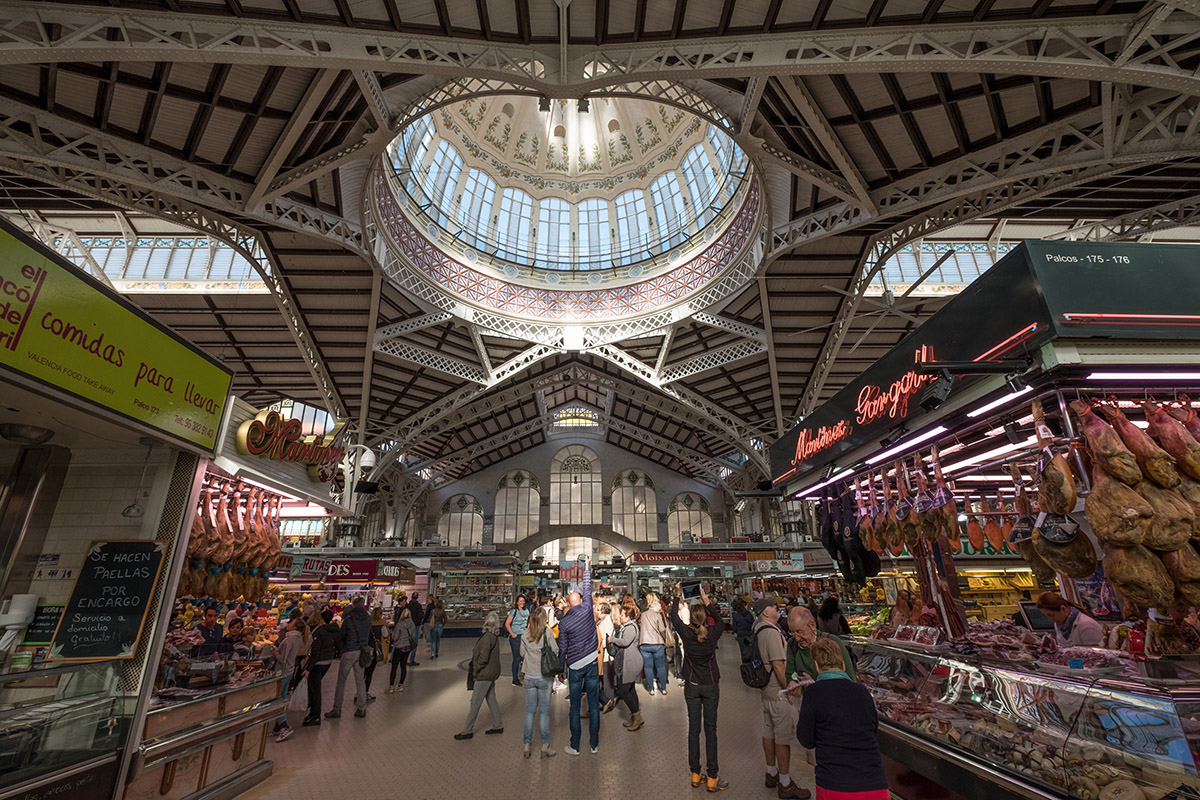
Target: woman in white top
<point>1072,628</point>
<point>604,631</point>
<point>537,686</point>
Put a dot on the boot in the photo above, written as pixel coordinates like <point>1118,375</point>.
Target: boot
<point>635,721</point>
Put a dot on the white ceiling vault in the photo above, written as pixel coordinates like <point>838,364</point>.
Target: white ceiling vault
<point>874,125</point>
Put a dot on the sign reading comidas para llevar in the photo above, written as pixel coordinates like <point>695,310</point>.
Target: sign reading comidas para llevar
<point>60,327</point>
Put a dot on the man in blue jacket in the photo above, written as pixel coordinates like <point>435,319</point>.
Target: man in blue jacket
<point>356,635</point>
<point>578,648</point>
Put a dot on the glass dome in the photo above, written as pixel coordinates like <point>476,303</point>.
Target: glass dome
<point>567,189</point>
<point>533,216</point>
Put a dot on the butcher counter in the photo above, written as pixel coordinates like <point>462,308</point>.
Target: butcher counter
<point>992,730</point>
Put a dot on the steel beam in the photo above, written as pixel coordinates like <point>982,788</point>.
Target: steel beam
<point>711,360</point>
<point>1181,213</point>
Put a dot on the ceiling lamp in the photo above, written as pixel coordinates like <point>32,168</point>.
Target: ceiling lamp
<point>133,510</point>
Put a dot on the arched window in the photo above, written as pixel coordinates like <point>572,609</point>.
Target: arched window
<point>560,132</point>
<point>575,487</point>
<point>614,126</point>
<point>688,515</point>
<point>554,234</point>
<point>702,186</point>
<point>669,212</point>
<point>632,225</point>
<point>461,522</point>
<point>512,224</point>
<point>442,180</point>
<point>508,110</point>
<point>634,507</point>
<point>475,209</point>
<point>595,245</point>
<point>518,500</point>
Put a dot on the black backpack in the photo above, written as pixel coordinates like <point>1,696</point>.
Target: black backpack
<point>756,673</point>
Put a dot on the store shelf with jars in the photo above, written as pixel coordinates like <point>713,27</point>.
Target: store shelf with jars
<point>1051,731</point>
<point>469,596</point>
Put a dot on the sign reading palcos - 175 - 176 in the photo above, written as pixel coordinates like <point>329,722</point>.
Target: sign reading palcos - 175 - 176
<point>62,328</point>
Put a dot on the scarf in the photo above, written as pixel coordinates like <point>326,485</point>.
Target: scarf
<point>1066,627</point>
<point>831,674</point>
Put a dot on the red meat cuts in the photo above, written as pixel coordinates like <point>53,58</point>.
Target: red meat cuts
<point>1056,491</point>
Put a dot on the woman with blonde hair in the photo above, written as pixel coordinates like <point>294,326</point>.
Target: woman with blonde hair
<point>404,638</point>
<point>537,686</point>
<point>701,691</point>
<point>653,632</point>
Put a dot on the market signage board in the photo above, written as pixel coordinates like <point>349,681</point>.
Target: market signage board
<point>110,599</point>
<point>689,558</point>
<point>1046,290</point>
<point>45,621</point>
<point>62,328</point>
<point>350,570</point>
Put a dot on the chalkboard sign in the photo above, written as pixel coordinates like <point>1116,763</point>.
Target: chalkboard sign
<point>108,605</point>
<point>45,621</point>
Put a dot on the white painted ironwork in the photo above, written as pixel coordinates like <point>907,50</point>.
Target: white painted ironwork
<point>407,351</point>
<point>733,326</point>
<point>1179,214</point>
<point>395,329</point>
<point>712,359</point>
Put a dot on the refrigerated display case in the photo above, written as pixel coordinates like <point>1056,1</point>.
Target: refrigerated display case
<point>1030,730</point>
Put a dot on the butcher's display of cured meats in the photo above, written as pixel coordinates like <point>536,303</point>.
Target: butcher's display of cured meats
<point>234,543</point>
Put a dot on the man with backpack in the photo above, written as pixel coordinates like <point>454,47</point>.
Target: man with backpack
<point>779,715</point>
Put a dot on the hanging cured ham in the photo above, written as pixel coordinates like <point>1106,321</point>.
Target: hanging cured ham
<point>1006,524</point>
<point>974,530</point>
<point>1056,490</point>
<point>1174,438</point>
<point>1155,463</point>
<point>866,528</point>
<point>992,531</point>
<point>1139,576</point>
<point>929,521</point>
<point>1024,544</point>
<point>1183,565</point>
<point>873,514</point>
<point>905,515</point>
<point>1184,412</point>
<point>895,537</point>
<point>1173,521</point>
<point>944,501</point>
<point>1105,446</point>
<point>1117,514</point>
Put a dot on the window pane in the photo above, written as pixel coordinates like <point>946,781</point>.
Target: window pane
<point>512,225</point>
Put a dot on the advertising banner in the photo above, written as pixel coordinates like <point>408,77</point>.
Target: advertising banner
<point>61,328</point>
<point>351,570</point>
<point>689,558</point>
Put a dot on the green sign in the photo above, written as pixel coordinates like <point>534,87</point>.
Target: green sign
<point>62,328</point>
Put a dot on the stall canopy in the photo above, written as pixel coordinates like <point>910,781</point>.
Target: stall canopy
<point>1040,293</point>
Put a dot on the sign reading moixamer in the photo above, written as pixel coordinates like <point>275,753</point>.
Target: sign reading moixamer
<point>61,328</point>
<point>687,558</point>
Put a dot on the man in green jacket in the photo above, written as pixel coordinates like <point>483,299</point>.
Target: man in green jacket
<point>800,666</point>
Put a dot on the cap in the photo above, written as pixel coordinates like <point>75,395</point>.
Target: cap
<point>762,604</point>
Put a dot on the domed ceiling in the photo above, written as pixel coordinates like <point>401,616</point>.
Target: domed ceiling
<point>564,211</point>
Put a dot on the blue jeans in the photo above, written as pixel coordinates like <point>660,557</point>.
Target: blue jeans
<point>579,681</point>
<point>412,659</point>
<point>435,638</point>
<point>654,658</point>
<point>515,643</point>
<point>537,699</point>
<point>284,685</point>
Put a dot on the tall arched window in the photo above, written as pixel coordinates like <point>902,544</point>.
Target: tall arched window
<point>554,234</point>
<point>594,242</point>
<point>575,487</point>
<point>512,224</point>
<point>688,515</point>
<point>442,180</point>
<point>634,507</point>
<point>518,497</point>
<point>461,522</point>
<point>702,186</point>
<point>669,212</point>
<point>632,235</point>
<point>475,208</point>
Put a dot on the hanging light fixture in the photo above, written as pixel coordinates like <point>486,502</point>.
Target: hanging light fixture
<point>133,510</point>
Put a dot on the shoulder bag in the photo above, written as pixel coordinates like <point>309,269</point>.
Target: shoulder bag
<point>551,665</point>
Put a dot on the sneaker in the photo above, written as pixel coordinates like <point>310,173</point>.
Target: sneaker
<point>717,785</point>
<point>571,751</point>
<point>335,714</point>
<point>595,750</point>
<point>402,687</point>
<point>311,721</point>
<point>391,690</point>
<point>697,779</point>
<point>793,791</point>
<point>771,781</point>
<point>284,734</point>
<point>371,698</point>
<point>360,712</point>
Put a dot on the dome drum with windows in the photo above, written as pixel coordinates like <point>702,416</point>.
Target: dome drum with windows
<point>633,207</point>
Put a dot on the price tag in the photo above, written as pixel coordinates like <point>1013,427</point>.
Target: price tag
<point>1075,663</point>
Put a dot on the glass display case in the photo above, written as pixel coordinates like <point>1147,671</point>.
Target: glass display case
<point>469,596</point>
<point>1069,733</point>
<point>56,717</point>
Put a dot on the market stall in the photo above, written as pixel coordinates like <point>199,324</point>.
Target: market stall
<point>471,587</point>
<point>1059,433</point>
<point>107,420</point>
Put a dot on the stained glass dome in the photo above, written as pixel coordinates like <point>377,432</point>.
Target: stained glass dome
<point>565,211</point>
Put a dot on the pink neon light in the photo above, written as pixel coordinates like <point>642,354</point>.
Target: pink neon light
<point>1134,319</point>
<point>1008,343</point>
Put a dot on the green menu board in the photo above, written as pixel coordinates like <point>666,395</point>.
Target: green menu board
<point>60,327</point>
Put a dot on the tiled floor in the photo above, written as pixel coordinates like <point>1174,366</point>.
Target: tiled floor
<point>404,747</point>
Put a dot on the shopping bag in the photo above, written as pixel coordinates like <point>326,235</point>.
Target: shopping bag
<point>298,699</point>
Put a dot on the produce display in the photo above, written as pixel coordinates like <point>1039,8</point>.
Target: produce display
<point>234,542</point>
<point>1071,732</point>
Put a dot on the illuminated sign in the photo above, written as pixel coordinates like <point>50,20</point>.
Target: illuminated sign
<point>686,558</point>
<point>270,435</point>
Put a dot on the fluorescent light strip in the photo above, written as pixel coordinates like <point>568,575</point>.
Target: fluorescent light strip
<point>997,403</point>
<point>806,492</point>
<point>999,451</point>
<point>907,445</point>
<point>1145,376</point>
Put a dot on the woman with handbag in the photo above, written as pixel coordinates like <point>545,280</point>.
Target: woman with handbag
<point>485,668</point>
<point>627,665</point>
<point>535,644</point>
<point>654,644</point>
<point>404,638</point>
